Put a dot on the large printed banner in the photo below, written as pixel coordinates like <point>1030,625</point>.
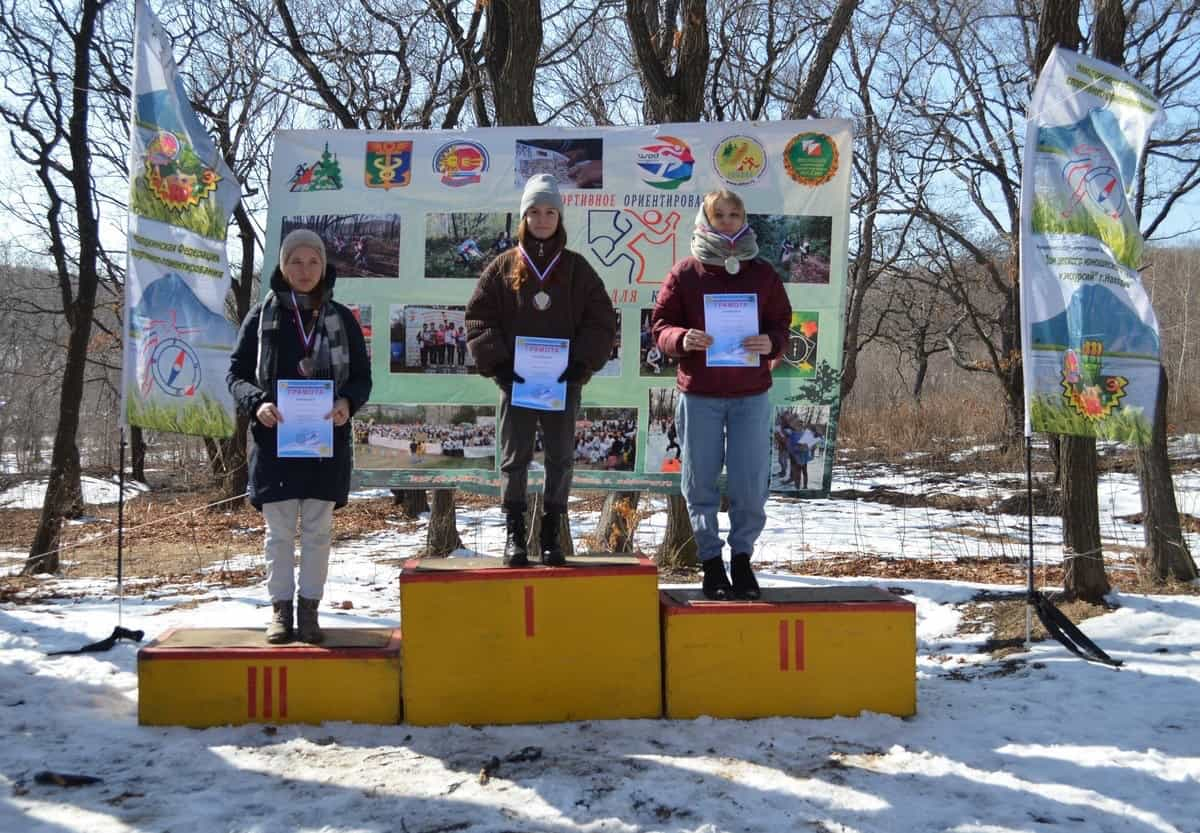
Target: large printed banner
<point>177,339</point>
<point>1089,334</point>
<point>410,220</point>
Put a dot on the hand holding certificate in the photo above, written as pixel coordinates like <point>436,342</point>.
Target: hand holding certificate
<point>731,318</point>
<point>540,361</point>
<point>304,429</point>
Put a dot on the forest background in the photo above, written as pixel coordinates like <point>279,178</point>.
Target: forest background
<point>936,90</point>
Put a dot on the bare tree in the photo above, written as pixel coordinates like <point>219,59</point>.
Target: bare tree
<point>46,60</point>
<point>671,42</point>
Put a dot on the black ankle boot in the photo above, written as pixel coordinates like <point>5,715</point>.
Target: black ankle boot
<point>516,547</point>
<point>745,585</point>
<point>552,551</point>
<point>716,583</point>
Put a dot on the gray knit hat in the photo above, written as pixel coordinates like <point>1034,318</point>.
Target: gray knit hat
<point>541,189</point>
<point>302,237</point>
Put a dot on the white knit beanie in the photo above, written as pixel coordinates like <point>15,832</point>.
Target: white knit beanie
<point>541,189</point>
<point>302,237</point>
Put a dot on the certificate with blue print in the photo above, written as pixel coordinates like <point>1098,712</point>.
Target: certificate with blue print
<point>540,361</point>
<point>305,429</point>
<point>730,318</point>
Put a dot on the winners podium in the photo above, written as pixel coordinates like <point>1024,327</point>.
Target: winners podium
<point>593,640</point>
<point>227,676</point>
<point>485,643</point>
<point>797,652</point>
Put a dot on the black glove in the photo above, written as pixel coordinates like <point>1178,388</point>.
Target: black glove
<point>574,373</point>
<point>505,374</point>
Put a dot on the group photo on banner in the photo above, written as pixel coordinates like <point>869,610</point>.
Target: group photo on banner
<point>411,220</point>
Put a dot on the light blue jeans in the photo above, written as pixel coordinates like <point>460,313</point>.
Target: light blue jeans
<point>735,433</point>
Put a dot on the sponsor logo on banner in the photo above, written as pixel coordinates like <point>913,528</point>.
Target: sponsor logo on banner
<point>176,175</point>
<point>388,165</point>
<point>739,160</point>
<point>666,163</point>
<point>1089,392</point>
<point>460,163</point>
<point>811,158</point>
<point>323,175</point>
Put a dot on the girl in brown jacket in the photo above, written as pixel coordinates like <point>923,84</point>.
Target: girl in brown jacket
<point>539,289</point>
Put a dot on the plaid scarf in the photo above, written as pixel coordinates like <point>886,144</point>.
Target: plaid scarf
<point>330,352</point>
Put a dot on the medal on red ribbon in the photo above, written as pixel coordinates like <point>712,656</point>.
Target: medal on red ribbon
<point>732,264</point>
<point>306,367</point>
<point>542,299</point>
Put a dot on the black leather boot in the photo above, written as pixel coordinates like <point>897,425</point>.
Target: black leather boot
<point>552,551</point>
<point>516,547</point>
<point>716,583</point>
<point>745,585</point>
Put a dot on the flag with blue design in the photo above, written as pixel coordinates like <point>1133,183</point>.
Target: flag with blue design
<point>1089,335</point>
<point>181,195</point>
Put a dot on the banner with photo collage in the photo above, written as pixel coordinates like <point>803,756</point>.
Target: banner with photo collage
<point>411,219</point>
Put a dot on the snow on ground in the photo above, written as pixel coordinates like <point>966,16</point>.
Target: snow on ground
<point>1035,742</point>
<point>31,494</point>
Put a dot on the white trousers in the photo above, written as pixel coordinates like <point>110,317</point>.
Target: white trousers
<point>315,518</point>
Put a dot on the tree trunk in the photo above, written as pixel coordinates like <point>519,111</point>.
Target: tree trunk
<point>805,101</point>
<point>1167,553</point>
<point>137,454</point>
<point>657,45</point>
<point>63,494</point>
<point>618,522</point>
<point>443,536</point>
<point>512,46</point>
<point>678,549</point>
<point>235,474</point>
<point>1084,576</point>
<point>412,502</point>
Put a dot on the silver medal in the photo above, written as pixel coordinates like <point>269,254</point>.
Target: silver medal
<point>306,367</point>
<point>542,301</point>
<point>732,265</point>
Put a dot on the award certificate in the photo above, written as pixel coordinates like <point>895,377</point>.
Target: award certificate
<point>729,318</point>
<point>540,361</point>
<point>305,431</point>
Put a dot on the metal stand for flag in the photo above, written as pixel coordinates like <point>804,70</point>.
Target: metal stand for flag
<point>119,632</point>
<point>1030,598</point>
<point>121,529</point>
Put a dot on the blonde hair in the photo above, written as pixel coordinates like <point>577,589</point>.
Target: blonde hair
<point>721,195</point>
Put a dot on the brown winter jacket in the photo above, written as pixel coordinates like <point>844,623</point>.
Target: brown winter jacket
<point>580,310</point>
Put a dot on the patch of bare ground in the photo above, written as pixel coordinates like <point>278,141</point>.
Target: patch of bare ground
<point>1002,620</point>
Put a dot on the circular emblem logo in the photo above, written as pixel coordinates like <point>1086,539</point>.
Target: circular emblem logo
<point>175,367</point>
<point>739,160</point>
<point>666,163</point>
<point>460,163</point>
<point>811,158</point>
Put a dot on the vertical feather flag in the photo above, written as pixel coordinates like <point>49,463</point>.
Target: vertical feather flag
<point>1089,335</point>
<point>181,195</point>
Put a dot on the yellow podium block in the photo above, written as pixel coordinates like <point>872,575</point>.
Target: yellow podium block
<point>485,643</point>
<point>797,652</point>
<point>218,677</point>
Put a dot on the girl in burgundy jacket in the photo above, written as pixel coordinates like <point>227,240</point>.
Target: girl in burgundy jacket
<point>724,413</point>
